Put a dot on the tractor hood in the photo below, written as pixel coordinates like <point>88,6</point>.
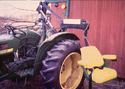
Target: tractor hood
<point>5,37</point>
<point>10,42</point>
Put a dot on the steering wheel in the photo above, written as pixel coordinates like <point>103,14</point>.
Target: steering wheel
<point>19,31</point>
<point>14,30</point>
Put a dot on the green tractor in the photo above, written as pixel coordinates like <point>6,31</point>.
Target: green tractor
<point>26,52</point>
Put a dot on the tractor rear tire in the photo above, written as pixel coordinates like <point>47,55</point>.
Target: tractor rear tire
<point>60,69</point>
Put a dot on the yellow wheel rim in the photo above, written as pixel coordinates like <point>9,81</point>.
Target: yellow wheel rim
<point>71,73</point>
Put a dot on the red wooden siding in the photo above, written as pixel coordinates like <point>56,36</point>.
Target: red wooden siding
<point>107,26</point>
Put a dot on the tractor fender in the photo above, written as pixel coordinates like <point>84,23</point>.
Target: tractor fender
<point>43,47</point>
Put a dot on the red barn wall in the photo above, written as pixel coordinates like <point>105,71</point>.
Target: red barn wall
<point>107,26</point>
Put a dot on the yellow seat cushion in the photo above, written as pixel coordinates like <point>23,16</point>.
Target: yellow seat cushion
<point>90,57</point>
<point>103,75</point>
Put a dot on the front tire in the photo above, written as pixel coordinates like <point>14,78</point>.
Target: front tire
<point>60,69</point>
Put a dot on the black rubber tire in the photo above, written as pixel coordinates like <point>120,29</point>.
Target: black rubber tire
<point>51,65</point>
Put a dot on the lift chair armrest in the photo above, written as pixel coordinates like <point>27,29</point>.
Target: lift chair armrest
<point>110,57</point>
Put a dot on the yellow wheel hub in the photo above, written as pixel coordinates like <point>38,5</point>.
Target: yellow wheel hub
<point>71,73</point>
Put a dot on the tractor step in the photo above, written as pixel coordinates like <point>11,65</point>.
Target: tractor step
<point>22,68</point>
<point>20,64</point>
